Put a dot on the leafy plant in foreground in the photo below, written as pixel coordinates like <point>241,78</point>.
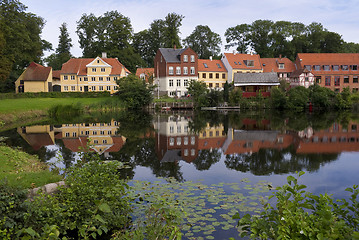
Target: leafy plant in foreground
<point>301,215</point>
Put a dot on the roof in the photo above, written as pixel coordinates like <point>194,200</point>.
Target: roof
<point>298,72</point>
<point>171,54</point>
<point>78,66</point>
<point>148,72</point>
<point>36,72</point>
<point>272,64</point>
<point>212,65</point>
<point>238,61</point>
<point>269,78</point>
<point>56,74</point>
<point>329,58</point>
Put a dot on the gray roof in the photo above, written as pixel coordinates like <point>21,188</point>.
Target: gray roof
<point>171,54</point>
<point>255,135</point>
<point>268,78</point>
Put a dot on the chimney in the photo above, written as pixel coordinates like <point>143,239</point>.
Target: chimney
<point>104,55</point>
<point>234,52</point>
<point>210,58</point>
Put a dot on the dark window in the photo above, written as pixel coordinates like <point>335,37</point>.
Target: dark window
<point>345,67</point>
<point>317,67</point>
<point>354,67</point>
<point>327,81</point>
<point>336,81</point>
<point>318,79</point>
<point>211,75</point>
<point>308,67</point>
<point>205,65</point>
<point>203,75</point>
<point>210,85</point>
<point>326,67</point>
<point>355,79</point>
<point>218,65</point>
<point>223,75</point>
<point>217,75</point>
<point>335,67</point>
<point>346,79</point>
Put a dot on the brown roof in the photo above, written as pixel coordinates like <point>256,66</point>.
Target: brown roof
<point>36,72</point>
<point>298,72</point>
<point>78,66</point>
<point>272,64</point>
<point>56,74</point>
<point>237,60</point>
<point>212,65</point>
<point>147,71</point>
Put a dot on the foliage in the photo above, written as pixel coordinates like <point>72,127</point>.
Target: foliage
<point>321,97</point>
<point>298,98</point>
<point>278,98</point>
<point>198,91</point>
<point>301,215</point>
<point>134,92</point>
<point>20,41</point>
<point>65,112</point>
<point>204,42</point>
<point>235,97</point>
<point>63,53</point>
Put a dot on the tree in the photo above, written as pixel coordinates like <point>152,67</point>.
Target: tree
<point>63,53</point>
<point>238,36</point>
<point>20,41</point>
<point>172,22</point>
<point>134,92</point>
<point>198,91</point>
<point>204,42</point>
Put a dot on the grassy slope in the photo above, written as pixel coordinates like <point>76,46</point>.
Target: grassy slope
<point>24,170</point>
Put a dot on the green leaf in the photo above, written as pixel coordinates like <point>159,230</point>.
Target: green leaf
<point>30,231</point>
<point>104,207</point>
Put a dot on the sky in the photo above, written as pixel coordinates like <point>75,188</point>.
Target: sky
<point>338,16</point>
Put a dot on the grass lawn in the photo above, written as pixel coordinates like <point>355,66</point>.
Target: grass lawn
<point>27,104</point>
<point>24,170</point>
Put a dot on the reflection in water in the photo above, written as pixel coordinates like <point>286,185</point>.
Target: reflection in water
<point>262,144</point>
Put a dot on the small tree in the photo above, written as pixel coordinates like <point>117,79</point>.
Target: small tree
<point>278,99</point>
<point>134,92</point>
<point>198,91</point>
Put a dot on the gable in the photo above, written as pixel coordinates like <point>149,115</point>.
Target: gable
<point>98,62</point>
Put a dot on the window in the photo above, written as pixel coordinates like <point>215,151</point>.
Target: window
<point>318,79</point>
<point>65,78</point>
<point>100,78</point>
<point>109,132</point>
<point>93,88</point>
<point>355,67</point>
<point>326,67</point>
<point>192,70</point>
<point>218,65</point>
<point>103,70</point>
<point>355,79</point>
<point>179,140</point>
<point>217,85</point>
<point>346,79</point>
<point>327,80</point>
<point>80,79</point>
<point>104,141</point>
<point>93,79</point>
<point>308,67</point>
<point>345,67</point>
<point>170,70</point>
<point>178,70</point>
<point>217,75</point>
<point>281,65</point>
<point>108,88</point>
<point>102,132</point>
<point>316,67</point>
<point>172,129</point>
<point>185,70</point>
<point>81,89</point>
<point>73,88</point>
<point>114,78</point>
<point>95,141</point>
<point>205,65</point>
<point>85,79</point>
<point>72,77</point>
<point>249,63</point>
<point>66,88</point>
<point>211,85</point>
<point>170,83</point>
<point>67,134</point>
<point>114,87</point>
<point>94,132</point>
<point>193,140</point>
<point>185,82</point>
<point>193,152</point>
<point>336,81</point>
<point>74,134</point>
<point>203,75</point>
<point>179,129</point>
<point>108,79</point>
<point>192,58</point>
<point>178,82</point>
<point>87,133</point>
<point>307,79</point>
<point>101,88</point>
<point>223,75</point>
<point>211,75</point>
<point>93,69</point>
<point>335,67</point>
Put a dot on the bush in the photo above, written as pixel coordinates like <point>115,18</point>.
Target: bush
<point>301,215</point>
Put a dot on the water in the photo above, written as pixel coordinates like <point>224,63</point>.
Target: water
<point>210,146</point>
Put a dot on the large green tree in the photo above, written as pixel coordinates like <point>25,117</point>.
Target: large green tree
<point>111,33</point>
<point>62,53</point>
<point>20,41</point>
<point>204,42</point>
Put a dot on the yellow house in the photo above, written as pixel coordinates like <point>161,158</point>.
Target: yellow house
<point>35,78</point>
<point>212,72</point>
<point>241,63</point>
<point>91,74</point>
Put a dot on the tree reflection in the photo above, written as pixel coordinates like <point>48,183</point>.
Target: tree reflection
<point>206,158</point>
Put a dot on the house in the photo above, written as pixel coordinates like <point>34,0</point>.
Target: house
<point>35,78</point>
<point>145,74</point>
<point>253,83</point>
<point>332,70</point>
<point>212,72</point>
<point>241,63</point>
<point>91,74</point>
<point>282,66</point>
<point>174,69</point>
<point>302,77</point>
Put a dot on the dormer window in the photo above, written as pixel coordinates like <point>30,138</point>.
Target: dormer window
<point>205,65</point>
<point>281,65</point>
<point>345,67</point>
<point>326,67</point>
<point>185,58</point>
<point>336,67</point>
<point>308,67</point>
<point>192,58</point>
<point>249,63</point>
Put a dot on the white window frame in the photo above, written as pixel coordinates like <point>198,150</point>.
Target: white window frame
<point>170,83</point>
<point>73,88</point>
<point>65,77</point>
<point>185,58</point>
<point>100,88</point>
<point>192,58</point>
<point>178,82</point>
<point>170,70</point>
<point>178,70</point>
<point>108,88</point>
<point>193,71</point>
<point>66,88</point>
<point>93,70</point>
<point>72,77</point>
<point>103,70</point>
<point>185,70</point>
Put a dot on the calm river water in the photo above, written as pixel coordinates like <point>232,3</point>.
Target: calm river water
<point>210,146</point>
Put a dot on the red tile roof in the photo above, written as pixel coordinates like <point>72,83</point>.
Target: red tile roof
<point>56,74</point>
<point>272,64</point>
<point>211,66</point>
<point>239,58</point>
<point>78,66</point>
<point>36,72</point>
<point>147,71</point>
<point>329,58</point>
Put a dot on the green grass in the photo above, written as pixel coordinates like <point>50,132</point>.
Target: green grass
<point>27,104</point>
<point>24,170</point>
